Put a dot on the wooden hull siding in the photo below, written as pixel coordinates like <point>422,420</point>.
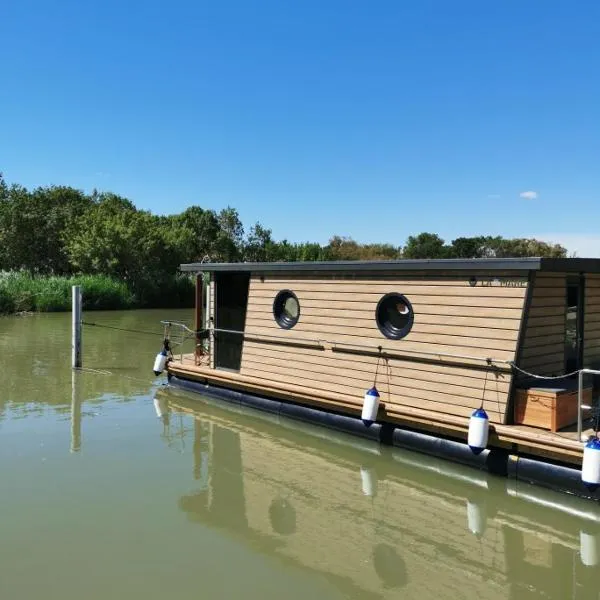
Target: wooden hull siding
<point>333,348</point>
<point>543,346</point>
<point>591,328</point>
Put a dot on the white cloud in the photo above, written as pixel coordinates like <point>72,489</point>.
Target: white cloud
<point>579,244</point>
<point>531,195</point>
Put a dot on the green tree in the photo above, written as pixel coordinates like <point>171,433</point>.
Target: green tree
<point>425,245</point>
<point>524,247</point>
<point>19,222</point>
<point>467,247</point>
<point>259,246</point>
<point>201,229</point>
<point>56,209</point>
<point>343,248</point>
<point>229,243</point>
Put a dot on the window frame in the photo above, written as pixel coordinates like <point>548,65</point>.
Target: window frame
<point>280,317</point>
<point>386,328</point>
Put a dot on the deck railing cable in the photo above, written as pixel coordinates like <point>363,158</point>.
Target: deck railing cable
<point>335,344</point>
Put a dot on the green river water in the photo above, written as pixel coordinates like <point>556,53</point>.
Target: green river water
<point>116,486</point>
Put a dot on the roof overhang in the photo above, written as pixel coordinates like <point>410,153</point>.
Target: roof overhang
<point>561,265</point>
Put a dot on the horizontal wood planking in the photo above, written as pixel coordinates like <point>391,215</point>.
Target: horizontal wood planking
<point>368,298</point>
<point>497,350</point>
<point>329,362</point>
<point>547,345</point>
<point>591,330</point>
<point>555,319</point>
<point>542,301</point>
<point>548,330</point>
<point>360,310</point>
<point>425,323</point>
<point>542,350</point>
<point>360,377</point>
<point>548,357</point>
<point>500,339</point>
<point>331,397</point>
<point>355,384</point>
<point>479,321</point>
<point>408,288</point>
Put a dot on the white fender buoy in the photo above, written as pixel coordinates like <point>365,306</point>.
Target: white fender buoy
<point>479,427</point>
<point>370,407</point>
<point>369,481</point>
<point>589,548</point>
<point>159,362</point>
<point>476,518</point>
<point>590,469</point>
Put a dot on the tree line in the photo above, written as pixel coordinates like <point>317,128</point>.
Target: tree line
<point>60,230</point>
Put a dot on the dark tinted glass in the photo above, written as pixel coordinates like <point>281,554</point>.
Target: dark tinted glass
<point>286,309</point>
<point>394,316</point>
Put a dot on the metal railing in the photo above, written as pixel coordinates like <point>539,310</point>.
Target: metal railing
<point>184,329</point>
<point>340,345</point>
<point>580,405</point>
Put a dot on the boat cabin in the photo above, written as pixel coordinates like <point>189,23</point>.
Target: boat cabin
<point>438,339</point>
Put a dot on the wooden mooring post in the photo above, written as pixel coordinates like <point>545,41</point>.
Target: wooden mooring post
<point>75,411</point>
<point>76,327</point>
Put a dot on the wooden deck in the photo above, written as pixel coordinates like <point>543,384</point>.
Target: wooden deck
<point>561,446</point>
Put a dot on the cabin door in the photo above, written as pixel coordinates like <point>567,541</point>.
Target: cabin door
<point>574,324</point>
<point>231,302</point>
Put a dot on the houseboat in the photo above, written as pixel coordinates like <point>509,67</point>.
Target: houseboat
<point>488,362</point>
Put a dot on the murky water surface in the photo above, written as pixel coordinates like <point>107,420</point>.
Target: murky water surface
<point>114,486</point>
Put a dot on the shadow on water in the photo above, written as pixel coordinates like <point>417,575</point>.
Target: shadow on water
<point>377,521</point>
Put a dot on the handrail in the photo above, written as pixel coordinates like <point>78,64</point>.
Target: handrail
<point>178,324</point>
<point>582,372</point>
<point>320,342</point>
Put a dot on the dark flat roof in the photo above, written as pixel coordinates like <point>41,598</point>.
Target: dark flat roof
<point>570,265</point>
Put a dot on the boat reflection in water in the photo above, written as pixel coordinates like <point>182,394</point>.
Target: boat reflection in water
<point>382,522</point>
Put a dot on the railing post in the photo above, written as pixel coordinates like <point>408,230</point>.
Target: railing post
<point>579,402</point>
<point>76,327</point>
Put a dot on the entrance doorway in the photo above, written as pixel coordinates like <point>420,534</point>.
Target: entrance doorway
<point>574,324</point>
<point>231,302</point>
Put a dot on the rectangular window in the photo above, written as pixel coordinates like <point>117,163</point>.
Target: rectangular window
<point>574,324</point>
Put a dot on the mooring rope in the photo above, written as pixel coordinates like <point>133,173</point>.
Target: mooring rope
<point>102,326</point>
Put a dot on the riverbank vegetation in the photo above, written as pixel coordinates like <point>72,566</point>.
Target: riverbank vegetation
<point>54,237</point>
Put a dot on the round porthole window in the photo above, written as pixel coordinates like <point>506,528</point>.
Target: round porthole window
<point>286,309</point>
<point>394,316</point>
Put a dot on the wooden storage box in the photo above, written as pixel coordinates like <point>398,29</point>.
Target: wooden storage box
<point>549,408</point>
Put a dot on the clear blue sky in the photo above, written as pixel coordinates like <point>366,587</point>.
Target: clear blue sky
<point>373,120</point>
